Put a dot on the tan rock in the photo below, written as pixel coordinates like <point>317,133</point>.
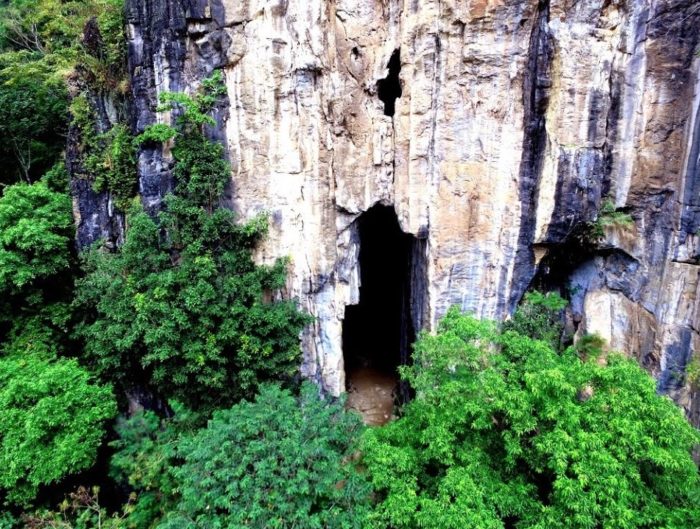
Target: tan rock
<point>516,119</point>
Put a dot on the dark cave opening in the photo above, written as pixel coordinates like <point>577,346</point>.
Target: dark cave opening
<point>378,332</point>
<point>389,88</point>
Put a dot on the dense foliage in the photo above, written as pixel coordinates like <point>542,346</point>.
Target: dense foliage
<point>36,227</point>
<point>52,420</point>
<point>35,234</point>
<point>42,45</point>
<point>539,317</point>
<point>144,458</point>
<point>277,462</point>
<point>33,104</point>
<point>507,432</point>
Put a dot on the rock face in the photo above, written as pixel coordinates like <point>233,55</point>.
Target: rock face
<point>516,121</point>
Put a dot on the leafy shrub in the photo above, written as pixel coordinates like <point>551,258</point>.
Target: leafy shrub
<point>609,216</point>
<point>277,462</point>
<point>156,133</point>
<point>539,316</point>
<point>35,233</point>
<point>144,457</point>
<point>590,346</point>
<point>51,423</point>
<point>506,432</point>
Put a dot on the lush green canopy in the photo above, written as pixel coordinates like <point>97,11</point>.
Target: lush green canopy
<point>35,268</point>
<point>35,233</point>
<point>507,432</point>
<point>276,463</point>
<point>52,419</point>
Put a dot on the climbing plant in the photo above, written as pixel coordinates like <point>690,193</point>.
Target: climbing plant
<point>182,307</point>
<point>108,158</point>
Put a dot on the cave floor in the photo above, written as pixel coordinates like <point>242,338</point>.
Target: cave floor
<point>372,392</point>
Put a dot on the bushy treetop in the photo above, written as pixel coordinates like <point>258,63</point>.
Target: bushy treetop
<point>275,463</point>
<point>35,233</point>
<point>52,420</point>
<point>182,307</point>
<point>507,432</point>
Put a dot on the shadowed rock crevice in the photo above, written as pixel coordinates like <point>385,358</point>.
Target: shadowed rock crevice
<point>389,88</point>
<point>379,330</point>
<point>690,220</point>
<point>536,88</point>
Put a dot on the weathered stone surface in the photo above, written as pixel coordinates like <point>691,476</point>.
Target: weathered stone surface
<point>517,118</point>
<point>95,215</point>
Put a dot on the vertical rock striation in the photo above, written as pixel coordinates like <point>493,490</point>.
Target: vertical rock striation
<point>95,214</point>
<point>514,120</point>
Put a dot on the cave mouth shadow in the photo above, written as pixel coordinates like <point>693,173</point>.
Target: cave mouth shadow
<point>378,332</point>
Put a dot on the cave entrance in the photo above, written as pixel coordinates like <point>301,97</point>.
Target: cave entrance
<point>378,332</point>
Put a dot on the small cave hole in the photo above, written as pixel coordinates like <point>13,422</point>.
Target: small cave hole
<point>389,88</point>
<point>355,53</point>
<point>378,332</point>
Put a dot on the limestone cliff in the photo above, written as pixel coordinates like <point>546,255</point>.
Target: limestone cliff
<point>516,120</point>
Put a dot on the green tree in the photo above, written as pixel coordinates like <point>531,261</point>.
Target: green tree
<point>144,455</point>
<point>278,462</point>
<point>182,307</point>
<point>35,234</point>
<point>34,106</point>
<point>52,419</point>
<point>36,228</point>
<point>507,432</point>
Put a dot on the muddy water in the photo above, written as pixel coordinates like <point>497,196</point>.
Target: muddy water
<point>371,392</point>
